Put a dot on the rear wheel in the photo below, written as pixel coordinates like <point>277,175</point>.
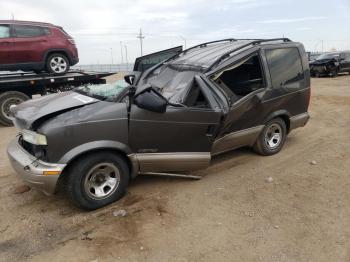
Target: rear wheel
<point>57,63</point>
<point>97,180</point>
<point>272,138</point>
<point>7,100</point>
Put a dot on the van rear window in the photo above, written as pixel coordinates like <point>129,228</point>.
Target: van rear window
<point>285,67</point>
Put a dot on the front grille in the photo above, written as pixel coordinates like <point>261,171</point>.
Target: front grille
<point>318,68</point>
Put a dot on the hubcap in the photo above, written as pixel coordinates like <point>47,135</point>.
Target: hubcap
<point>102,181</point>
<point>58,64</point>
<point>5,108</point>
<point>273,136</point>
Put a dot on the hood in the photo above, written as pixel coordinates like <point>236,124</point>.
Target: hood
<point>323,61</point>
<point>30,114</point>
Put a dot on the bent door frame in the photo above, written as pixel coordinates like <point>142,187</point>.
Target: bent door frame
<point>247,136</point>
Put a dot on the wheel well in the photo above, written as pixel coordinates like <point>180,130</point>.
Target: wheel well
<point>286,120</point>
<point>65,173</point>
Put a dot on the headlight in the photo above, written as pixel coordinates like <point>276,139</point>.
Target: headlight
<point>33,137</point>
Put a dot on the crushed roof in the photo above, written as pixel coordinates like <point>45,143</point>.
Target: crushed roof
<point>203,56</point>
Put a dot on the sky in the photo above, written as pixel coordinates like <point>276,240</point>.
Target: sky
<point>105,30</point>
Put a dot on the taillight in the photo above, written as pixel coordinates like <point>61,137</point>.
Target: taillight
<point>71,40</point>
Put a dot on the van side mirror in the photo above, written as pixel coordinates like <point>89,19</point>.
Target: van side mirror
<point>152,100</point>
<point>130,79</point>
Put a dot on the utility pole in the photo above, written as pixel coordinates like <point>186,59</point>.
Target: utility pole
<point>12,16</point>
<point>110,68</point>
<point>184,39</point>
<point>121,51</point>
<point>322,46</point>
<point>140,36</point>
<point>126,57</point>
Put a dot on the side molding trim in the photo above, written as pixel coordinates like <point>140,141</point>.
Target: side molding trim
<point>169,162</point>
<point>246,137</point>
<point>172,175</point>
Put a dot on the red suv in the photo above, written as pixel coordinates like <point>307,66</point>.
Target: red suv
<point>34,46</point>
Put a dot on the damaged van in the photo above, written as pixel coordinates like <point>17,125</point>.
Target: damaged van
<point>176,111</point>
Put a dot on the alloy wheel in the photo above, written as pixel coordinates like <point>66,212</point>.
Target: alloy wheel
<point>58,64</point>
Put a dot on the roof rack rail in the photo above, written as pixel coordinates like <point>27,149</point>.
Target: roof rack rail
<point>284,39</point>
<point>254,42</point>
<point>207,43</point>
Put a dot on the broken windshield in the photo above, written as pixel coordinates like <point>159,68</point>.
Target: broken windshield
<point>103,91</point>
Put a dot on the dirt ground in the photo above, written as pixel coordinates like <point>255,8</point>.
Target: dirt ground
<point>232,214</point>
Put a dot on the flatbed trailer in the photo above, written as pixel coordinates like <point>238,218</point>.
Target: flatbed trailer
<point>18,87</point>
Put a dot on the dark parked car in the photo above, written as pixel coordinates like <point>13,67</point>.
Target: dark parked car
<point>331,64</point>
<point>34,46</point>
<point>171,119</point>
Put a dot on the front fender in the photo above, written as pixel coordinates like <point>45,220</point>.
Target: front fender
<point>91,146</point>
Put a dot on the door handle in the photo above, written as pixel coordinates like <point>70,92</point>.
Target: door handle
<point>210,131</point>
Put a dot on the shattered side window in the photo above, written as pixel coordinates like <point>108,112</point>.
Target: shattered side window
<point>172,84</point>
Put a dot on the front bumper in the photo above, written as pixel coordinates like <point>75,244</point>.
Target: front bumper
<point>31,170</point>
<point>320,69</point>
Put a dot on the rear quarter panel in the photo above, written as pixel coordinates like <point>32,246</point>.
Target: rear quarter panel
<point>293,100</point>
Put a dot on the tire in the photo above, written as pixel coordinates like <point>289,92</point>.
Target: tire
<point>57,64</point>
<point>8,99</point>
<point>334,72</point>
<point>87,184</point>
<point>272,138</point>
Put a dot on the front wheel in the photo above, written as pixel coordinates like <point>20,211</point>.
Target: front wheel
<point>57,64</point>
<point>272,138</point>
<point>97,180</point>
